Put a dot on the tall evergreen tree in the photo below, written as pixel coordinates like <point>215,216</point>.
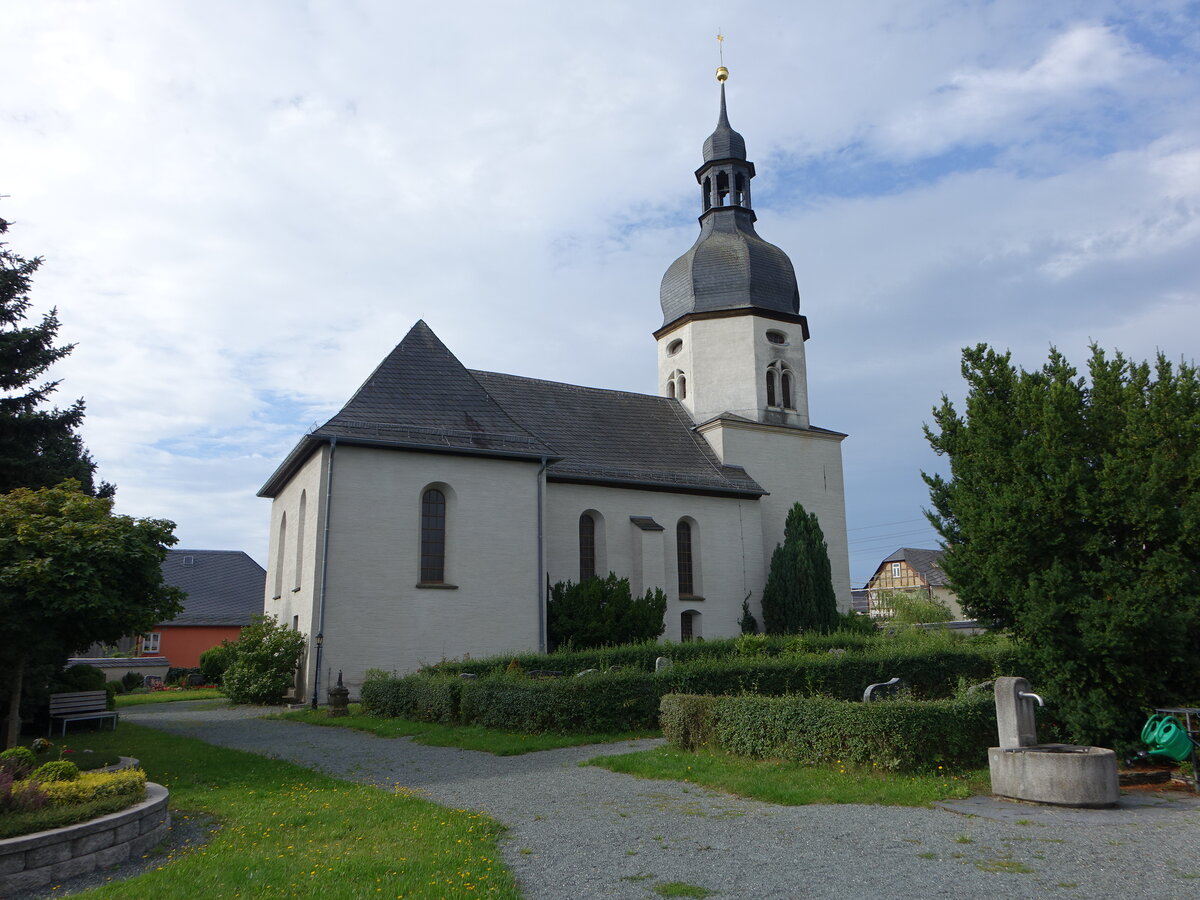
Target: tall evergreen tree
<point>1072,517</point>
<point>799,592</point>
<point>39,447</point>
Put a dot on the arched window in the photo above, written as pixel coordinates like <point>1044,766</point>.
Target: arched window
<point>707,193</point>
<point>682,383</point>
<point>433,537</point>
<point>689,626</point>
<point>722,187</point>
<point>671,388</point>
<point>683,552</point>
<point>280,556</point>
<point>300,539</point>
<point>787,389</point>
<point>770,387</point>
<point>587,547</point>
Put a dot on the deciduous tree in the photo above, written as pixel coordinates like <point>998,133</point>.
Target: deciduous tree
<point>799,592</point>
<point>1071,516</point>
<point>72,573</point>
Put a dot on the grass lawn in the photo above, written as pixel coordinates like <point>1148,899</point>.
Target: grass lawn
<point>286,831</point>
<point>794,784</point>
<point>465,737</point>
<point>124,700</point>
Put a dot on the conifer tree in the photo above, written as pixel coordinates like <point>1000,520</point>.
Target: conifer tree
<point>39,447</point>
<point>1071,516</point>
<point>799,592</point>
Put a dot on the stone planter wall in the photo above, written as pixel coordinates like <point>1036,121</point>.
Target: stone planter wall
<point>35,860</point>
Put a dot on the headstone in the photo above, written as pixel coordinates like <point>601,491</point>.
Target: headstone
<point>339,699</point>
<point>586,672</point>
<point>884,690</point>
<point>195,680</point>
<point>662,663</point>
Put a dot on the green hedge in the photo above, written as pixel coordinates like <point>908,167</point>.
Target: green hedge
<point>601,702</point>
<point>628,700</point>
<point>421,697</point>
<point>895,735</point>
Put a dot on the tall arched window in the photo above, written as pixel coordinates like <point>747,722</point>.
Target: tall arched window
<point>770,387</point>
<point>280,556</point>
<point>682,382</point>
<point>300,539</point>
<point>786,380</point>
<point>433,537</point>
<point>587,547</point>
<point>685,626</point>
<point>683,551</point>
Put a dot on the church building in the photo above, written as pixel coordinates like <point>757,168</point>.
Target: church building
<point>426,520</point>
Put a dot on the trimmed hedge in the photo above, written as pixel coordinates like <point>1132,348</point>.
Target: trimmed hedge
<point>629,700</point>
<point>425,698</point>
<point>895,735</point>
<point>90,786</point>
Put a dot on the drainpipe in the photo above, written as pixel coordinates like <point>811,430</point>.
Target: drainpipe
<point>541,579</point>
<point>324,572</point>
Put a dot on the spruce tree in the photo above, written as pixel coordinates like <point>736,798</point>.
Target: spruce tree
<point>39,446</point>
<point>1071,517</point>
<point>799,593</point>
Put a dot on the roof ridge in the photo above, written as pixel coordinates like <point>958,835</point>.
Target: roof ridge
<point>568,384</point>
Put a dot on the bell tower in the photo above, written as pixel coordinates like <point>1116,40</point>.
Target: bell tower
<point>732,338</point>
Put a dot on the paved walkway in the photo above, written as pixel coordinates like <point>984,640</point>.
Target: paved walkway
<point>583,832</point>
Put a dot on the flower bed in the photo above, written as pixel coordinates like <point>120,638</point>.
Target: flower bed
<point>32,861</point>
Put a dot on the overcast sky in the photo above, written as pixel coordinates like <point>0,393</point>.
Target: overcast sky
<point>244,206</point>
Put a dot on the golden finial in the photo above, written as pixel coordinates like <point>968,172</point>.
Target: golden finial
<point>722,72</point>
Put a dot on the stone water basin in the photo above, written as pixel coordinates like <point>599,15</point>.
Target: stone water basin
<point>1058,774</point>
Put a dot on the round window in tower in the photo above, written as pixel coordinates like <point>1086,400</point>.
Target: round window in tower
<point>674,347</point>
<point>776,337</point>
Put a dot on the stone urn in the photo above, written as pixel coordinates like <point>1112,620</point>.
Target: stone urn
<point>339,699</point>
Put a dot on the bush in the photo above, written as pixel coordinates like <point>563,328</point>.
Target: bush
<point>91,786</point>
<point>17,762</point>
<point>599,702</point>
<point>78,678</point>
<point>602,611</point>
<point>263,665</point>
<point>215,661</point>
<point>56,770</point>
<point>19,796</point>
<point>687,720</point>
<point>132,680</point>
<point>895,735</point>
<point>629,700</point>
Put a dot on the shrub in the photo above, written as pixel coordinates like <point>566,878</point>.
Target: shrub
<point>214,661</point>
<point>132,680</point>
<point>599,702</point>
<point>687,720</point>
<point>17,762</point>
<point>91,786</point>
<point>79,678</point>
<point>895,735</point>
<point>20,796</point>
<point>263,665</point>
<point>56,770</point>
<point>601,611</point>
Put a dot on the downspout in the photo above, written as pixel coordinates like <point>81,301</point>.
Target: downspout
<point>324,572</point>
<point>541,576</point>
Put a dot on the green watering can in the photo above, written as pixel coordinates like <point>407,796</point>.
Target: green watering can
<point>1166,737</point>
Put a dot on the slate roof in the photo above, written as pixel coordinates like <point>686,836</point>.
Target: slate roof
<point>724,143</point>
<point>926,563</point>
<point>224,587</point>
<point>422,398</point>
<point>729,267</point>
<point>616,436</point>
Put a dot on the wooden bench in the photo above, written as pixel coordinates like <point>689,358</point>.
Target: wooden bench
<point>79,705</point>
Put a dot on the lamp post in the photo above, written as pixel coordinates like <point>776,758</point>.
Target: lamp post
<point>317,672</point>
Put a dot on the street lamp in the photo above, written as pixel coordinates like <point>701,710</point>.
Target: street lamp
<point>320,639</point>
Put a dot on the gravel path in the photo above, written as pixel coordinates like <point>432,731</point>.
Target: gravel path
<point>586,832</point>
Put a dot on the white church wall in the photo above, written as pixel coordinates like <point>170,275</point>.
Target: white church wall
<point>294,563</point>
<point>727,540</point>
<point>795,465</point>
<point>375,615</point>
